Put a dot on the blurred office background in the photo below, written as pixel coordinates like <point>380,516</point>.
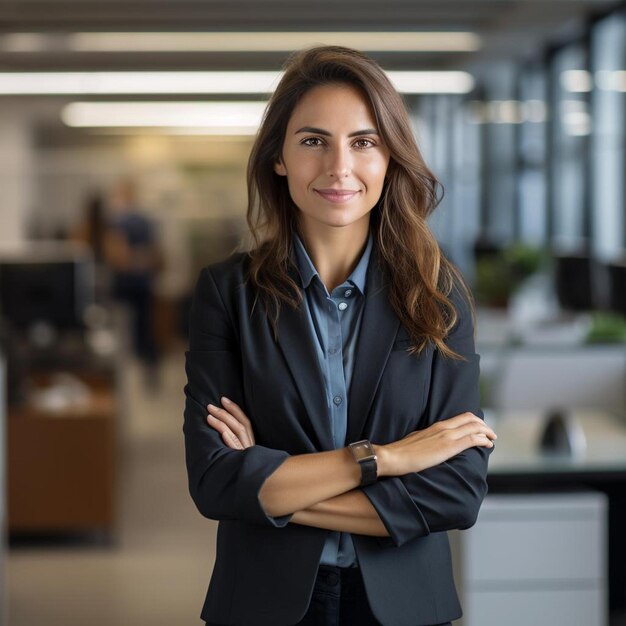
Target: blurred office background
<point>124,134</point>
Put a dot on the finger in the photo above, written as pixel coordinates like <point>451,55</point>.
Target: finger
<point>235,410</point>
<point>470,440</point>
<point>477,439</point>
<point>478,426</point>
<point>456,421</point>
<point>228,437</point>
<point>231,422</point>
<point>234,424</point>
<point>472,431</point>
<point>462,420</point>
<point>481,439</point>
<point>471,428</point>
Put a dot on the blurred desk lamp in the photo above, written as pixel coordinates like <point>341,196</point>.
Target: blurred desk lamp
<point>562,435</point>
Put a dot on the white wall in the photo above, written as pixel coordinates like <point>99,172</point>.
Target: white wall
<point>16,172</point>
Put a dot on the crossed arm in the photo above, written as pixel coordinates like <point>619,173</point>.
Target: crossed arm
<point>349,512</point>
<point>322,488</point>
<point>332,501</point>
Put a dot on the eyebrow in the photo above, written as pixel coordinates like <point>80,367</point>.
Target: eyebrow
<point>321,131</point>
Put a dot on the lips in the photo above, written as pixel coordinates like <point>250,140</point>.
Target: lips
<point>337,195</point>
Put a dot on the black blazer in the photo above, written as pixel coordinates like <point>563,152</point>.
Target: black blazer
<point>265,567</point>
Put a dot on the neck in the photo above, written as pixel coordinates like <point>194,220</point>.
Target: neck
<point>334,251</point>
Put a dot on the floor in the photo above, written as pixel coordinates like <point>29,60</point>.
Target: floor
<point>158,569</point>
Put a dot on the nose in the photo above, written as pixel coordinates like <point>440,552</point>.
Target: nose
<point>339,161</point>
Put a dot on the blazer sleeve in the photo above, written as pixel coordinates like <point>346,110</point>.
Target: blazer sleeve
<point>448,495</point>
<point>223,483</point>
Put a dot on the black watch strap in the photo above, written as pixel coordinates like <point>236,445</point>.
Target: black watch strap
<point>369,472</point>
<point>364,455</point>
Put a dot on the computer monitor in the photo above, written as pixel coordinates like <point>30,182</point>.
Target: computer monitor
<point>573,282</point>
<point>52,286</point>
<point>617,287</point>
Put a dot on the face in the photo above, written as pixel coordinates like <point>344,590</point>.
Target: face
<point>122,197</point>
<point>332,144</point>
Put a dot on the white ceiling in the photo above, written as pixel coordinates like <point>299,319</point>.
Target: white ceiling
<point>507,27</point>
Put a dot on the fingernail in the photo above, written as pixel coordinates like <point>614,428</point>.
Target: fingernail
<point>225,399</point>
<point>212,406</point>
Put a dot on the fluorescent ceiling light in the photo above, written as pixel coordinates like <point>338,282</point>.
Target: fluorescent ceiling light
<point>26,42</point>
<point>188,133</point>
<point>101,83</point>
<point>577,123</point>
<point>535,111</point>
<point>611,80</point>
<point>107,83</point>
<point>432,82</point>
<point>576,81</point>
<point>231,118</point>
<point>402,41</point>
<point>507,111</point>
<point>273,41</point>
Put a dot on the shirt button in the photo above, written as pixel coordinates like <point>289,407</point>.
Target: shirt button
<point>337,399</point>
<point>347,293</point>
<point>342,306</point>
<point>332,350</point>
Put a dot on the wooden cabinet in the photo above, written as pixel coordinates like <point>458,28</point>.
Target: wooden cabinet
<point>61,466</point>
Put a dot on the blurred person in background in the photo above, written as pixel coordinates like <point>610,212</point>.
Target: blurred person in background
<point>134,255</point>
<point>344,325</point>
<point>93,230</point>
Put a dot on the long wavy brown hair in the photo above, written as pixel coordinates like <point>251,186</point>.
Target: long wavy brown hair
<point>418,275</point>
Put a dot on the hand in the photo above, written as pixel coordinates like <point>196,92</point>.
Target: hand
<point>442,440</point>
<point>232,423</point>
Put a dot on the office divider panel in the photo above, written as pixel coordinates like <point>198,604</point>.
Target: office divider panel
<point>3,516</point>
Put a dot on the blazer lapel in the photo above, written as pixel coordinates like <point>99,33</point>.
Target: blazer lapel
<point>379,326</point>
<point>297,345</point>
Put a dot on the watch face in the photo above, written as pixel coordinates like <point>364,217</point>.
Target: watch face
<point>363,450</point>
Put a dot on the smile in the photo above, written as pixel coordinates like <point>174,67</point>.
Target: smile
<point>337,197</point>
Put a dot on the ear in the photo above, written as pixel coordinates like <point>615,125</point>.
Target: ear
<point>279,168</point>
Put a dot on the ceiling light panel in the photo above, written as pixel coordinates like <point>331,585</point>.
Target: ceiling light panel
<point>215,117</point>
<point>199,83</point>
<point>453,41</point>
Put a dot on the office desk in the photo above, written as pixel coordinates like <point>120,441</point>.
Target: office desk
<point>516,467</point>
<point>518,460</point>
<point>62,458</point>
<point>62,465</point>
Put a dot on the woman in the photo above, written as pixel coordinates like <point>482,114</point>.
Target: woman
<point>332,422</point>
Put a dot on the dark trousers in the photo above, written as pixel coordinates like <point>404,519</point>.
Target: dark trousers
<point>338,599</point>
<point>141,306</point>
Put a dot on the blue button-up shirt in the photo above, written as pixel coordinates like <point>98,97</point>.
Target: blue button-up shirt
<point>335,319</point>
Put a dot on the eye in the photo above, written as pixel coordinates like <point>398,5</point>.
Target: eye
<point>304,141</point>
<point>362,143</point>
<point>368,141</point>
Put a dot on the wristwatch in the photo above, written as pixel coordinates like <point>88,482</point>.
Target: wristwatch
<point>364,455</point>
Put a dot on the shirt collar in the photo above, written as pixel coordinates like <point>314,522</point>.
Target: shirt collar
<point>308,272</point>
